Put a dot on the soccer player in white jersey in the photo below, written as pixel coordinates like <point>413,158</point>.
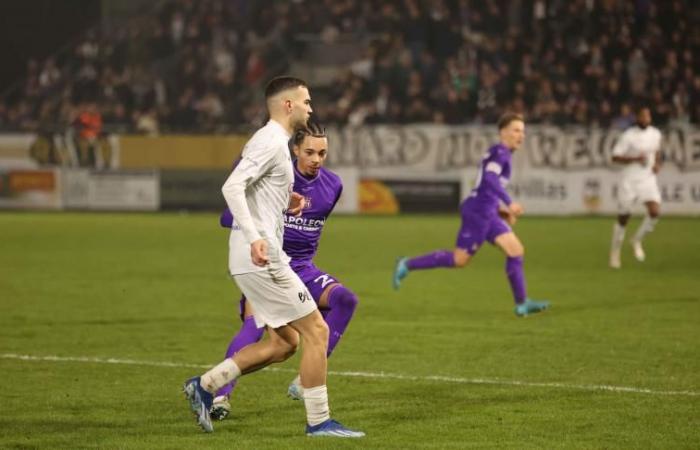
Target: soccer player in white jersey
<point>639,150</point>
<point>258,193</point>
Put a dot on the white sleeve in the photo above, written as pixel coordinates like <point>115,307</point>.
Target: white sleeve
<point>622,145</point>
<point>255,162</point>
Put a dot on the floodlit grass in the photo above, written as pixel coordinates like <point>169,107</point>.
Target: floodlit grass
<point>154,288</point>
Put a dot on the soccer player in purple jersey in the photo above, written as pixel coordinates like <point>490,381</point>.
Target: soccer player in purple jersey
<point>484,215</point>
<point>321,189</point>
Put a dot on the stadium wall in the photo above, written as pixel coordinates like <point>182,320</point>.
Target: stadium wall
<point>386,170</point>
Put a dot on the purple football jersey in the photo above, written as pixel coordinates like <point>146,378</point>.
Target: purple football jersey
<point>302,234</point>
<point>491,182</point>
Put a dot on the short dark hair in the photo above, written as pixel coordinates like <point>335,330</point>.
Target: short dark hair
<point>641,106</point>
<point>312,128</point>
<point>279,84</point>
<point>507,118</point>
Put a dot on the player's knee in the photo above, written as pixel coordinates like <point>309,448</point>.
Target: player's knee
<point>285,348</point>
<point>517,251</point>
<point>461,258</point>
<point>318,333</point>
<point>344,298</point>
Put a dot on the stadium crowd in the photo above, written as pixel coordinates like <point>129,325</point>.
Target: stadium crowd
<point>199,65</point>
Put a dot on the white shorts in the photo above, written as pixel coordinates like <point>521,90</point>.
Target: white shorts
<point>278,295</point>
<point>637,190</point>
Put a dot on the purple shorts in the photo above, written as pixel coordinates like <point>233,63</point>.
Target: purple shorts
<point>315,279</point>
<point>476,229</point>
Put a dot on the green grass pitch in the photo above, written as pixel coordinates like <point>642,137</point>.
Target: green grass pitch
<point>153,288</point>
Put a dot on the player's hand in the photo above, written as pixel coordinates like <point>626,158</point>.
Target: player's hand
<point>642,159</point>
<point>656,168</point>
<point>258,252</point>
<point>297,203</point>
<point>516,209</point>
<point>507,216</point>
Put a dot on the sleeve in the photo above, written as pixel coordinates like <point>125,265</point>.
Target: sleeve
<point>255,162</point>
<point>226,218</point>
<point>337,196</point>
<point>622,145</point>
<point>493,168</point>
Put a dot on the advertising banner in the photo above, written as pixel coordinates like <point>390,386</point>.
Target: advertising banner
<point>557,171</point>
<point>30,189</point>
<point>128,191</point>
<point>193,189</point>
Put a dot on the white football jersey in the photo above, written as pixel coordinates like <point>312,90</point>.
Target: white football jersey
<point>636,141</point>
<point>257,193</point>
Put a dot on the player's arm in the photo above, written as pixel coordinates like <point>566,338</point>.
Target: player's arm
<point>492,178</point>
<point>226,218</point>
<point>251,167</point>
<point>658,160</point>
<point>619,153</point>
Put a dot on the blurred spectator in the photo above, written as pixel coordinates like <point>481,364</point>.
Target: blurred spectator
<point>199,66</point>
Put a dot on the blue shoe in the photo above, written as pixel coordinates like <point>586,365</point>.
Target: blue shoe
<point>530,307</point>
<point>332,428</point>
<point>400,272</point>
<point>200,402</point>
<point>295,391</point>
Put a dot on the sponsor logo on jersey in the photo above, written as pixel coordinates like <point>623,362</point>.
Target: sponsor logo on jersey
<point>304,223</point>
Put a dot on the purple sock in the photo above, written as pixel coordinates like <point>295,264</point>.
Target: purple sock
<point>342,303</point>
<point>439,258</point>
<point>248,334</point>
<point>516,277</point>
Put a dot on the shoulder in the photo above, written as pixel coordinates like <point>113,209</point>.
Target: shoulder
<point>331,177</point>
<point>499,152</point>
<point>266,140</point>
<point>655,132</point>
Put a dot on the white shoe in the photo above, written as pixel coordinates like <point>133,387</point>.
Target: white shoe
<point>615,262</point>
<point>638,250</point>
<point>220,408</point>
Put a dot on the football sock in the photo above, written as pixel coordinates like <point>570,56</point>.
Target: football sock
<point>342,303</point>
<point>248,334</point>
<point>618,237</point>
<point>316,402</point>
<point>647,226</point>
<point>516,277</point>
<point>439,258</point>
<point>219,376</point>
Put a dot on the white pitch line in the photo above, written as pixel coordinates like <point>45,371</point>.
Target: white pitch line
<point>376,375</point>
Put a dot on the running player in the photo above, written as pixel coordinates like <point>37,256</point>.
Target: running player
<point>484,215</point>
<point>321,189</point>
<point>257,193</point>
<point>639,150</point>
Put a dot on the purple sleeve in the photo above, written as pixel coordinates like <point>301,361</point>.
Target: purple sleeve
<point>493,179</point>
<point>337,197</point>
<point>226,218</point>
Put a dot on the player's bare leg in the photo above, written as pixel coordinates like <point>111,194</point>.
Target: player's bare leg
<point>647,226</point>
<point>313,369</point>
<point>514,251</point>
<point>338,304</point>
<point>618,237</point>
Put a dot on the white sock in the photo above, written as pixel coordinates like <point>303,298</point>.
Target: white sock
<point>316,402</point>
<point>618,237</point>
<point>647,226</point>
<point>220,375</point>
